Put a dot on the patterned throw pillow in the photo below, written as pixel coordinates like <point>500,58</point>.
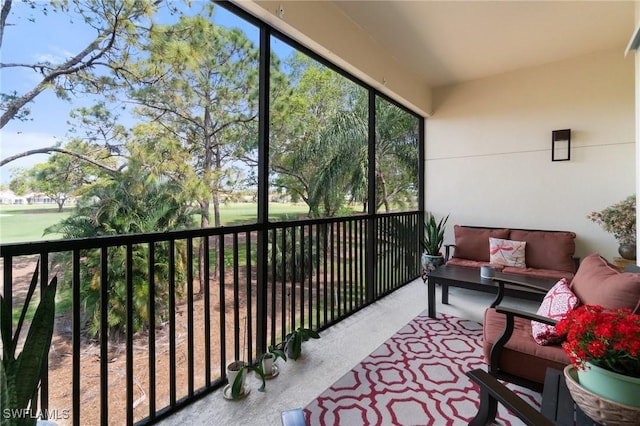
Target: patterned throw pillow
<point>558,302</point>
<point>507,252</point>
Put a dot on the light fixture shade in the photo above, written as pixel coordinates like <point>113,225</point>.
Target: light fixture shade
<point>561,145</point>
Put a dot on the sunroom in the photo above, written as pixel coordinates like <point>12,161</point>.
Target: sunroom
<point>366,113</point>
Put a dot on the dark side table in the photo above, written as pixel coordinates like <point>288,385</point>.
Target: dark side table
<point>557,404</point>
<point>557,408</point>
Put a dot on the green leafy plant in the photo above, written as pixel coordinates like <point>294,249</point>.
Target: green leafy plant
<point>619,220</point>
<point>293,341</point>
<point>274,352</point>
<point>296,254</point>
<point>433,234</point>
<point>133,202</point>
<point>20,375</point>
<point>243,368</point>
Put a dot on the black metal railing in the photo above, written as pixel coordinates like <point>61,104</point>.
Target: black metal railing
<point>140,334</point>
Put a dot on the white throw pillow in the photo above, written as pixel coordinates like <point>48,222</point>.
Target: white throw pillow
<point>507,252</point>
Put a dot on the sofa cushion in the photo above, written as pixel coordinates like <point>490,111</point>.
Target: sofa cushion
<point>467,263</point>
<point>507,252</point>
<point>557,303</point>
<point>597,282</point>
<point>540,273</point>
<point>548,249</point>
<point>521,350</point>
<point>473,243</point>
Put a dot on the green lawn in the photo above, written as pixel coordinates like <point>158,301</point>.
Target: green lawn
<point>28,222</point>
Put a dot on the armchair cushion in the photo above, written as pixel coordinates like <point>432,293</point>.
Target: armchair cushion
<point>559,301</point>
<point>473,243</point>
<point>597,282</point>
<point>521,356</point>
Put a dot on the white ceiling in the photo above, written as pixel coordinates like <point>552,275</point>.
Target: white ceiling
<point>453,41</point>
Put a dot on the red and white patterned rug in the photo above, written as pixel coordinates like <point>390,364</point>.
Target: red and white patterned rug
<point>417,377</point>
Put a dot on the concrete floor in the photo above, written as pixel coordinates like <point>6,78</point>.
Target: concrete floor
<point>327,359</point>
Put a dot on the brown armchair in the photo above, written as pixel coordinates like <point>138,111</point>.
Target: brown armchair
<point>509,348</point>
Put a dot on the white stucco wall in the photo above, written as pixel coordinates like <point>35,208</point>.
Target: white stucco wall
<point>488,148</point>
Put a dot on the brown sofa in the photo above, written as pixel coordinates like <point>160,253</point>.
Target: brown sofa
<point>548,254</point>
<point>517,358</point>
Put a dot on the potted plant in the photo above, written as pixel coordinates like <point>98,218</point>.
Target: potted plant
<point>293,341</point>
<point>237,376</point>
<point>268,360</point>
<point>20,375</point>
<point>432,242</point>
<point>620,220</point>
<point>604,347</point>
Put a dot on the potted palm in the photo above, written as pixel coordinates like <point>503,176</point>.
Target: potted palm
<point>432,242</point>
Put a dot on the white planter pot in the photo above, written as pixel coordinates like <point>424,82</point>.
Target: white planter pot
<point>267,365</point>
<point>233,370</point>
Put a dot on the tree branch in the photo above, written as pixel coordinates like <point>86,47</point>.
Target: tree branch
<point>64,69</point>
<point>6,8</point>
<point>49,150</point>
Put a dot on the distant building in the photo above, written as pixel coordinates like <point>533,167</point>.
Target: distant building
<point>7,196</point>
<point>39,198</point>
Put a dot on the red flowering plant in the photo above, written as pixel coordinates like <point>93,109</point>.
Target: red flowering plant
<point>609,339</point>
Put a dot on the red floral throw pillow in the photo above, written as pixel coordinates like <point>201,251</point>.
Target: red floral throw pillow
<point>558,302</point>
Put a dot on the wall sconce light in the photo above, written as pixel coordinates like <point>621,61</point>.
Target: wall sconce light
<point>561,145</point>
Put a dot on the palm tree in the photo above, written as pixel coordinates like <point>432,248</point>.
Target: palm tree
<point>134,202</point>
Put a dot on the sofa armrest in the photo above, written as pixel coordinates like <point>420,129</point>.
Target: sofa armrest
<point>514,282</point>
<point>448,251</point>
<point>492,391</point>
<point>526,315</point>
<point>510,315</point>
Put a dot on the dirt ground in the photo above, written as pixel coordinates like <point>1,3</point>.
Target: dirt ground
<point>60,357</point>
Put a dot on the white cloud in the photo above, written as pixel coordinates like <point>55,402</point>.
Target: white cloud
<point>57,55</point>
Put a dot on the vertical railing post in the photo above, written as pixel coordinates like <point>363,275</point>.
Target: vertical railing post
<point>76,342</point>
<point>263,188</point>
<point>104,335</point>
<point>371,241</point>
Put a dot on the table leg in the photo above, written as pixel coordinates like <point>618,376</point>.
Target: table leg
<point>431,297</point>
<point>499,295</point>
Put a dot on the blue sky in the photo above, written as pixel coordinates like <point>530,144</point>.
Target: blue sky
<point>29,42</point>
<point>53,38</point>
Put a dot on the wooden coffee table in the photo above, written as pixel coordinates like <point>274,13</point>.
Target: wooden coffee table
<point>522,286</point>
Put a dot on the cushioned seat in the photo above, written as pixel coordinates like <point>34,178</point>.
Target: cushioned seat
<point>514,355</point>
<point>538,272</point>
<point>521,350</point>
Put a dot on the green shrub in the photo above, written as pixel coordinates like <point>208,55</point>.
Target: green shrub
<point>298,259</point>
